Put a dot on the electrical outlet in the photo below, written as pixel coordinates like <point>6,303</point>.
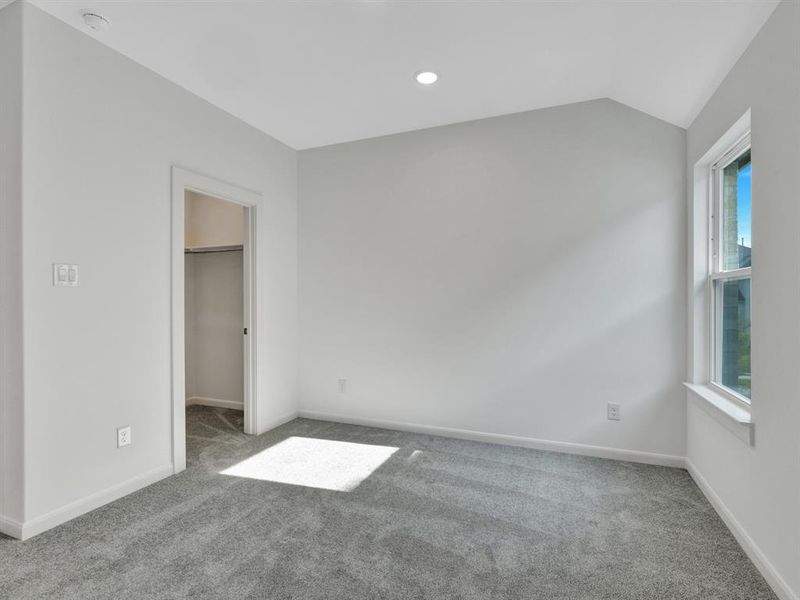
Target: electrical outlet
<point>614,412</point>
<point>343,386</point>
<point>123,436</point>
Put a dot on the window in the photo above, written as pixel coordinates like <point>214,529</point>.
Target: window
<point>731,253</point>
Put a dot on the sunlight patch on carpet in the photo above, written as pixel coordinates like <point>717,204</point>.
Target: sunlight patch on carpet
<point>310,462</point>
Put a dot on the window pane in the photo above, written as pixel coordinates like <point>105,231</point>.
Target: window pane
<point>736,204</point>
<point>734,327</point>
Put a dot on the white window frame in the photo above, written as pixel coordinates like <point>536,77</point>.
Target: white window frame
<point>717,276</point>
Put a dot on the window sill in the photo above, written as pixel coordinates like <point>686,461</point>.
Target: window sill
<point>735,418</point>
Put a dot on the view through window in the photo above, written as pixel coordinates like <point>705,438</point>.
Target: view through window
<point>731,278</point>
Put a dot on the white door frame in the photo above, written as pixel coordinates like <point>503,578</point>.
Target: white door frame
<point>182,180</point>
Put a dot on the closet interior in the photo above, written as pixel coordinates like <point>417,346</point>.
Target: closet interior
<point>214,301</point>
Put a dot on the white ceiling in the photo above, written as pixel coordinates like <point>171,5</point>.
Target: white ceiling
<point>312,73</point>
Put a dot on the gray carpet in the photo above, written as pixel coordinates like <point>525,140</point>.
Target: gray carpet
<point>440,518</point>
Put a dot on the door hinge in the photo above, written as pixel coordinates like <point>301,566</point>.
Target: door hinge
<point>245,330</point>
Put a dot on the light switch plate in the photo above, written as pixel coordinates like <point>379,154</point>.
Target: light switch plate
<point>65,275</point>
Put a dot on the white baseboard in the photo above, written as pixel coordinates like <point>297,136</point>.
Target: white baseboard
<point>754,553</point>
<point>202,401</point>
<point>66,513</point>
<point>650,458</point>
<point>10,527</point>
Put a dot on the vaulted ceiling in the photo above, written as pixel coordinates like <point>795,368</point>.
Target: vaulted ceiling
<point>312,73</point>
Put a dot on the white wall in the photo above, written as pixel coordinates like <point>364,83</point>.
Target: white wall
<point>188,324</point>
<point>100,136</point>
<point>510,275</point>
<point>214,319</point>
<point>760,485</point>
<point>11,380</point>
<point>212,222</point>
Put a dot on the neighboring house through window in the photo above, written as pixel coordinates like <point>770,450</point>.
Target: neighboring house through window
<point>730,273</point>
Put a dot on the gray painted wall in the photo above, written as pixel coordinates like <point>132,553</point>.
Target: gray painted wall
<point>760,485</point>
<point>511,276</point>
<point>11,379</point>
<point>100,135</point>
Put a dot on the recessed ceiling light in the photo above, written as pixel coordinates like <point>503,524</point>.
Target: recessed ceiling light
<point>426,77</point>
<point>96,22</point>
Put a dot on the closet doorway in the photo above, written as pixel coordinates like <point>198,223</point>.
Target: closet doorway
<point>213,305</point>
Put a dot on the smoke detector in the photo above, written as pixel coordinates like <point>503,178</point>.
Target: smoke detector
<point>96,21</point>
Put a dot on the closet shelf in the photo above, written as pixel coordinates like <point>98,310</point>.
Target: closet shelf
<point>206,249</point>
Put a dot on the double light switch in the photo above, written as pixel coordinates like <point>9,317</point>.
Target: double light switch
<point>65,275</point>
